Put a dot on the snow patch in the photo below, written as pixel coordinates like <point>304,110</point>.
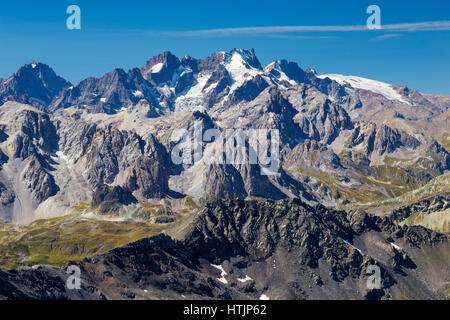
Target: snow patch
<point>347,242</point>
<point>137,94</point>
<point>193,98</point>
<point>157,68</point>
<point>264,297</point>
<point>247,278</point>
<point>396,246</point>
<point>222,274</point>
<point>62,156</point>
<point>165,90</point>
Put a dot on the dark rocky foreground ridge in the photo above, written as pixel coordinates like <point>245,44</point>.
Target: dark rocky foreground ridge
<point>236,249</point>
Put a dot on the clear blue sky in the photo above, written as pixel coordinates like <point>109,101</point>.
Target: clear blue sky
<point>125,34</point>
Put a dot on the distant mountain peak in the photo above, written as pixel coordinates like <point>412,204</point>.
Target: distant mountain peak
<point>160,68</point>
<point>288,71</point>
<point>34,83</point>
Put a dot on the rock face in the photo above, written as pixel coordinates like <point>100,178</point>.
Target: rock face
<point>112,156</point>
<point>30,138</point>
<point>243,249</point>
<point>108,197</point>
<point>63,160</point>
<point>318,117</point>
<point>38,181</point>
<point>225,181</point>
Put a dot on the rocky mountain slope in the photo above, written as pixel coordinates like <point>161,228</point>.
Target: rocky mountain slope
<point>253,250</point>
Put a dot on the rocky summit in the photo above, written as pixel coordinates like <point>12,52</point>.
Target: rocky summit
<point>358,176</point>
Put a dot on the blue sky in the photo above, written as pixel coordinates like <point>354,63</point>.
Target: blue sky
<point>127,33</point>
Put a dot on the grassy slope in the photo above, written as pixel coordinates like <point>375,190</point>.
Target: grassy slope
<point>59,240</point>
<point>438,221</point>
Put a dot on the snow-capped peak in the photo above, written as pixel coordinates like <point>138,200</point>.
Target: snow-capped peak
<point>247,56</point>
<point>378,87</point>
<point>240,65</point>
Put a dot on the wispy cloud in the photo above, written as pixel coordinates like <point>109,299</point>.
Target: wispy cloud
<point>271,30</point>
<point>418,26</point>
<point>293,36</point>
<point>385,36</point>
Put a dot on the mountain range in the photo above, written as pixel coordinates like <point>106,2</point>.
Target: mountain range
<point>349,148</point>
